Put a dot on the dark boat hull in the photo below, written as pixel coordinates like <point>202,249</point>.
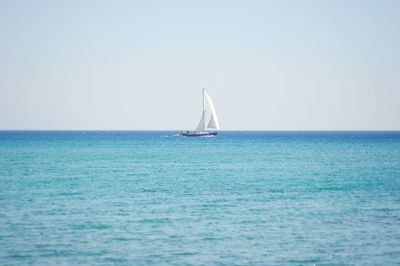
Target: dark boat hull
<point>198,133</point>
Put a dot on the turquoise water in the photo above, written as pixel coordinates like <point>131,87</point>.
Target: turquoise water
<point>242,198</point>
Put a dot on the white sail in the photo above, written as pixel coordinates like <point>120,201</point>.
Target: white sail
<point>201,123</point>
<point>214,123</point>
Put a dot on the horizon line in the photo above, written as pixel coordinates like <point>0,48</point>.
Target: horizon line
<point>227,130</point>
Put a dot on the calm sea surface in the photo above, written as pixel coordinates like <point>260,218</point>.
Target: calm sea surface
<point>242,198</point>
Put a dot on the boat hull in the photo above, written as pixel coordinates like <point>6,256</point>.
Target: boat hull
<point>189,133</point>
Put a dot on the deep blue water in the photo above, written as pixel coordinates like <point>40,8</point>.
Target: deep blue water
<point>242,198</point>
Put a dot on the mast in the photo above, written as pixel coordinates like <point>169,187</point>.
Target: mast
<point>204,115</point>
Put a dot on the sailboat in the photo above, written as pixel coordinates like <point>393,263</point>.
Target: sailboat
<point>209,115</point>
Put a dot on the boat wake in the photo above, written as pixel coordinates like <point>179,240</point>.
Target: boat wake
<point>170,136</point>
<point>208,136</point>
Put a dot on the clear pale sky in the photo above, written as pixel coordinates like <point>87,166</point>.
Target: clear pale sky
<point>269,65</point>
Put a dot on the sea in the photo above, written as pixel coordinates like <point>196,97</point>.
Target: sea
<point>241,198</point>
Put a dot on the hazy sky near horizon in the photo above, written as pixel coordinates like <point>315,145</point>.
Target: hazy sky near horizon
<point>269,65</point>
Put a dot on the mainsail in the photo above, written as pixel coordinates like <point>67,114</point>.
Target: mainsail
<point>209,114</point>
<point>201,123</point>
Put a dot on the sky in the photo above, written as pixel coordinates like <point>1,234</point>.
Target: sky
<point>141,65</point>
